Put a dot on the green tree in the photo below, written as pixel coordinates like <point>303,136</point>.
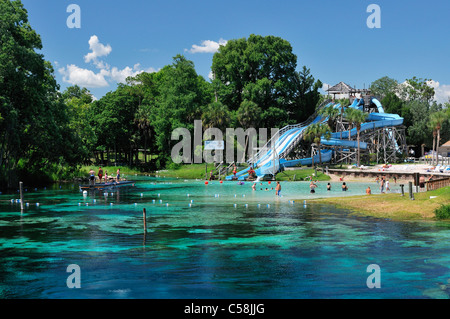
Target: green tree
<point>416,119</point>
<point>78,101</point>
<point>35,135</point>
<point>307,96</point>
<point>314,133</point>
<point>114,121</point>
<point>216,115</point>
<point>384,86</point>
<point>249,116</point>
<point>417,89</point>
<point>393,104</point>
<point>331,113</point>
<point>263,70</point>
<point>182,97</point>
<point>357,117</point>
<point>437,119</point>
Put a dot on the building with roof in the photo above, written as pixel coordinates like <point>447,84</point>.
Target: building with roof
<point>444,150</point>
<point>344,91</point>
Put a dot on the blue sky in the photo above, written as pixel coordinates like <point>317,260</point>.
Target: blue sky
<point>119,38</point>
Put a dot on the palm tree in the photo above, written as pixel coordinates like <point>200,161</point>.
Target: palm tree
<point>331,112</point>
<point>248,115</point>
<point>216,115</point>
<point>314,133</point>
<point>143,121</point>
<point>357,117</point>
<point>436,121</point>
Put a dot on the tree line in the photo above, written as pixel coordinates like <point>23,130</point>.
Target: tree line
<point>427,122</point>
<point>48,134</point>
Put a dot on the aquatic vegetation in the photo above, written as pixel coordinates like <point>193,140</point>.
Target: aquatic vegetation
<point>443,212</point>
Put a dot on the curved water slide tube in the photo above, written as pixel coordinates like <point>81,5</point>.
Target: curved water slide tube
<point>267,165</point>
<point>291,134</point>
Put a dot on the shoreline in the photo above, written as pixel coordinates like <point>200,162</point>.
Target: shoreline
<point>393,206</point>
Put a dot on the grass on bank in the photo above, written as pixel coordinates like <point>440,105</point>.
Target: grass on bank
<point>189,171</point>
<point>426,205</point>
<point>112,170</point>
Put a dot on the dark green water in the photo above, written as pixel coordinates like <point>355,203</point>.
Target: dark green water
<point>226,243</point>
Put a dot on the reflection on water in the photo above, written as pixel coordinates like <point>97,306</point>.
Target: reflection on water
<point>214,241</point>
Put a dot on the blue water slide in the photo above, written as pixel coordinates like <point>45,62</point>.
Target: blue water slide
<point>326,157</point>
<point>343,143</point>
<point>266,163</point>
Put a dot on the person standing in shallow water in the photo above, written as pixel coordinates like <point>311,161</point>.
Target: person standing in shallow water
<point>312,187</point>
<point>91,177</point>
<point>100,174</point>
<point>278,189</point>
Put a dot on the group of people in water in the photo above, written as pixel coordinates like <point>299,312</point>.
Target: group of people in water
<point>277,188</point>
<point>312,187</point>
<point>100,176</point>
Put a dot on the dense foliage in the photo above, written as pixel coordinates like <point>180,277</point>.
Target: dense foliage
<point>34,125</point>
<point>48,134</point>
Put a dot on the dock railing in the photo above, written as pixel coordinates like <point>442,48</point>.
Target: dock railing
<point>437,183</point>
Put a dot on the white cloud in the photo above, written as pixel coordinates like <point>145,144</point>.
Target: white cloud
<point>121,75</point>
<point>85,78</point>
<point>207,46</point>
<point>441,91</point>
<point>325,87</point>
<point>98,50</point>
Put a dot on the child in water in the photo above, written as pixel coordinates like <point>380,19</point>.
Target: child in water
<point>312,187</point>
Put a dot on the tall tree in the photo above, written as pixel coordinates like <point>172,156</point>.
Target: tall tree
<point>357,117</point>
<point>314,133</point>
<point>437,119</point>
<point>183,95</point>
<point>330,112</point>
<point>34,132</point>
<point>417,89</point>
<point>249,116</point>
<point>383,87</point>
<point>263,70</point>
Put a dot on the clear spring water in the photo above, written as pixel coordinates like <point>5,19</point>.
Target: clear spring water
<point>213,242</point>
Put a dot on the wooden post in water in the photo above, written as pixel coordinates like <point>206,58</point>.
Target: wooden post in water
<point>21,195</point>
<point>145,220</point>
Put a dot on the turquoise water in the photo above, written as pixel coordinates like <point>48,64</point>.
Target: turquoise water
<point>213,241</point>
